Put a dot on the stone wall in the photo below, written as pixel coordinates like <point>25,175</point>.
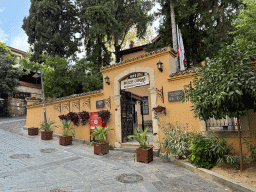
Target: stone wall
<point>35,91</point>
<point>16,107</point>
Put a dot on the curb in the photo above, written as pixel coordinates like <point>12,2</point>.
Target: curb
<point>212,176</point>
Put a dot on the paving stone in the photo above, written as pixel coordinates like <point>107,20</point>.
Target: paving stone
<point>76,168</point>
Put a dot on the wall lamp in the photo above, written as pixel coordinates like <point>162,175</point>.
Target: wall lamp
<point>107,80</point>
<point>160,66</point>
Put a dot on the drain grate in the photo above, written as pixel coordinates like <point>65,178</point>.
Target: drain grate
<point>19,156</point>
<point>48,150</point>
<point>129,178</point>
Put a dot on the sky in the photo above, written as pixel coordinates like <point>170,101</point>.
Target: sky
<point>12,13</point>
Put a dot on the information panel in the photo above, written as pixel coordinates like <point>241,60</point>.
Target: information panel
<point>173,96</point>
<point>100,104</point>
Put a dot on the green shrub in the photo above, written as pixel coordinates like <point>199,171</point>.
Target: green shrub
<point>251,149</point>
<point>207,150</point>
<point>176,140</point>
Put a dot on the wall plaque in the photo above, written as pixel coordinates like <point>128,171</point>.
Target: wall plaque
<point>100,104</point>
<point>173,95</point>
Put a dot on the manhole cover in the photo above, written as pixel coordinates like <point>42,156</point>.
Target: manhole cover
<point>129,178</point>
<point>57,190</point>
<point>48,150</point>
<point>19,156</point>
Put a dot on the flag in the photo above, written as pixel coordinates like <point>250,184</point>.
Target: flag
<point>181,50</point>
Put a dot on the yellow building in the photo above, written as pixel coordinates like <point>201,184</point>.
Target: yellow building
<point>133,82</point>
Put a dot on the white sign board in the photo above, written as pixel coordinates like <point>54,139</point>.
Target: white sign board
<point>135,82</point>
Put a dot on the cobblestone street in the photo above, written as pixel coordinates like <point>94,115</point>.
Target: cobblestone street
<point>29,164</point>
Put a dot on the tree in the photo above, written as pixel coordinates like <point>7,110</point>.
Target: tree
<point>112,19</point>
<point>8,73</point>
<point>226,86</point>
<point>51,28</point>
<point>204,26</point>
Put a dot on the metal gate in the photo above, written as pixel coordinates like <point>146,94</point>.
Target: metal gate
<point>126,115</point>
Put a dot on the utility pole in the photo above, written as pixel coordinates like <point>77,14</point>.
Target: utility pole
<point>174,36</point>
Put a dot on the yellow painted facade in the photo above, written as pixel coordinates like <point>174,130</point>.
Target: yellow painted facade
<point>146,63</point>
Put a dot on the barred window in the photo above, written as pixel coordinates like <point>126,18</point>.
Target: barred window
<point>227,124</point>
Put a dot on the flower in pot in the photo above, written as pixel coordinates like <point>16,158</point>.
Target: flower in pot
<point>85,116</point>
<point>65,139</point>
<point>74,117</point>
<point>144,153</point>
<point>46,134</point>
<point>32,130</point>
<point>104,115</point>
<point>101,147</point>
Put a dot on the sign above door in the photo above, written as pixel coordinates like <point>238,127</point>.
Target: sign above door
<point>135,82</point>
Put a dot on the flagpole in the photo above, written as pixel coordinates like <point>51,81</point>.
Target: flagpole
<point>174,37</point>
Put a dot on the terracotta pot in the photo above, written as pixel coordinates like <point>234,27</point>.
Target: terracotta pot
<point>32,131</point>
<point>145,155</point>
<point>101,148</point>
<point>46,135</point>
<point>65,140</point>
<point>159,109</point>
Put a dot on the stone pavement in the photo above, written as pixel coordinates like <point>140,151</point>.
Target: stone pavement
<point>29,164</point>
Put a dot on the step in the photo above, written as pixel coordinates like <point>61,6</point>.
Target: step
<point>133,145</point>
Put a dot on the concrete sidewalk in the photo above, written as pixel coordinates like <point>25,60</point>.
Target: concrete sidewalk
<point>46,166</point>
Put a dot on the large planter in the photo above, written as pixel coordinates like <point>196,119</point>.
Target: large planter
<point>65,140</point>
<point>101,148</point>
<point>32,131</point>
<point>46,135</point>
<point>145,155</point>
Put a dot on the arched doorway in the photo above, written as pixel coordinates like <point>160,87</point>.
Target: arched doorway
<point>117,97</point>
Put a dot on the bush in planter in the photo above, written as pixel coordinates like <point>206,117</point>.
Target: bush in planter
<point>74,117</point>
<point>104,115</point>
<point>65,139</point>
<point>144,153</point>
<point>85,116</point>
<point>101,147</point>
<point>46,132</point>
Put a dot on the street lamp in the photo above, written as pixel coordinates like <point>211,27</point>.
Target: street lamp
<point>36,75</point>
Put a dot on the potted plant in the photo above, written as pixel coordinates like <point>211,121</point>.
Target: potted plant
<point>65,139</point>
<point>46,134</point>
<point>85,116</point>
<point>144,153</point>
<point>159,109</point>
<point>32,130</point>
<point>101,147</point>
<point>104,115</point>
<point>74,117</point>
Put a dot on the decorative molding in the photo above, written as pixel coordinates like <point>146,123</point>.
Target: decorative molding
<point>160,93</point>
<point>57,107</point>
<point>66,105</point>
<point>108,102</point>
<point>87,103</point>
<point>76,105</point>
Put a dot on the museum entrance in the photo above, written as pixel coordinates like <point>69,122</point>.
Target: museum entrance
<point>135,110</point>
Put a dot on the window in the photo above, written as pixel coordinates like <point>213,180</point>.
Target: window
<point>21,95</point>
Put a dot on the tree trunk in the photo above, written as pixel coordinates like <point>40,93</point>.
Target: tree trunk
<point>240,144</point>
<point>117,53</point>
<point>174,37</point>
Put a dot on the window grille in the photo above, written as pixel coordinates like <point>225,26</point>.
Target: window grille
<point>227,124</point>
